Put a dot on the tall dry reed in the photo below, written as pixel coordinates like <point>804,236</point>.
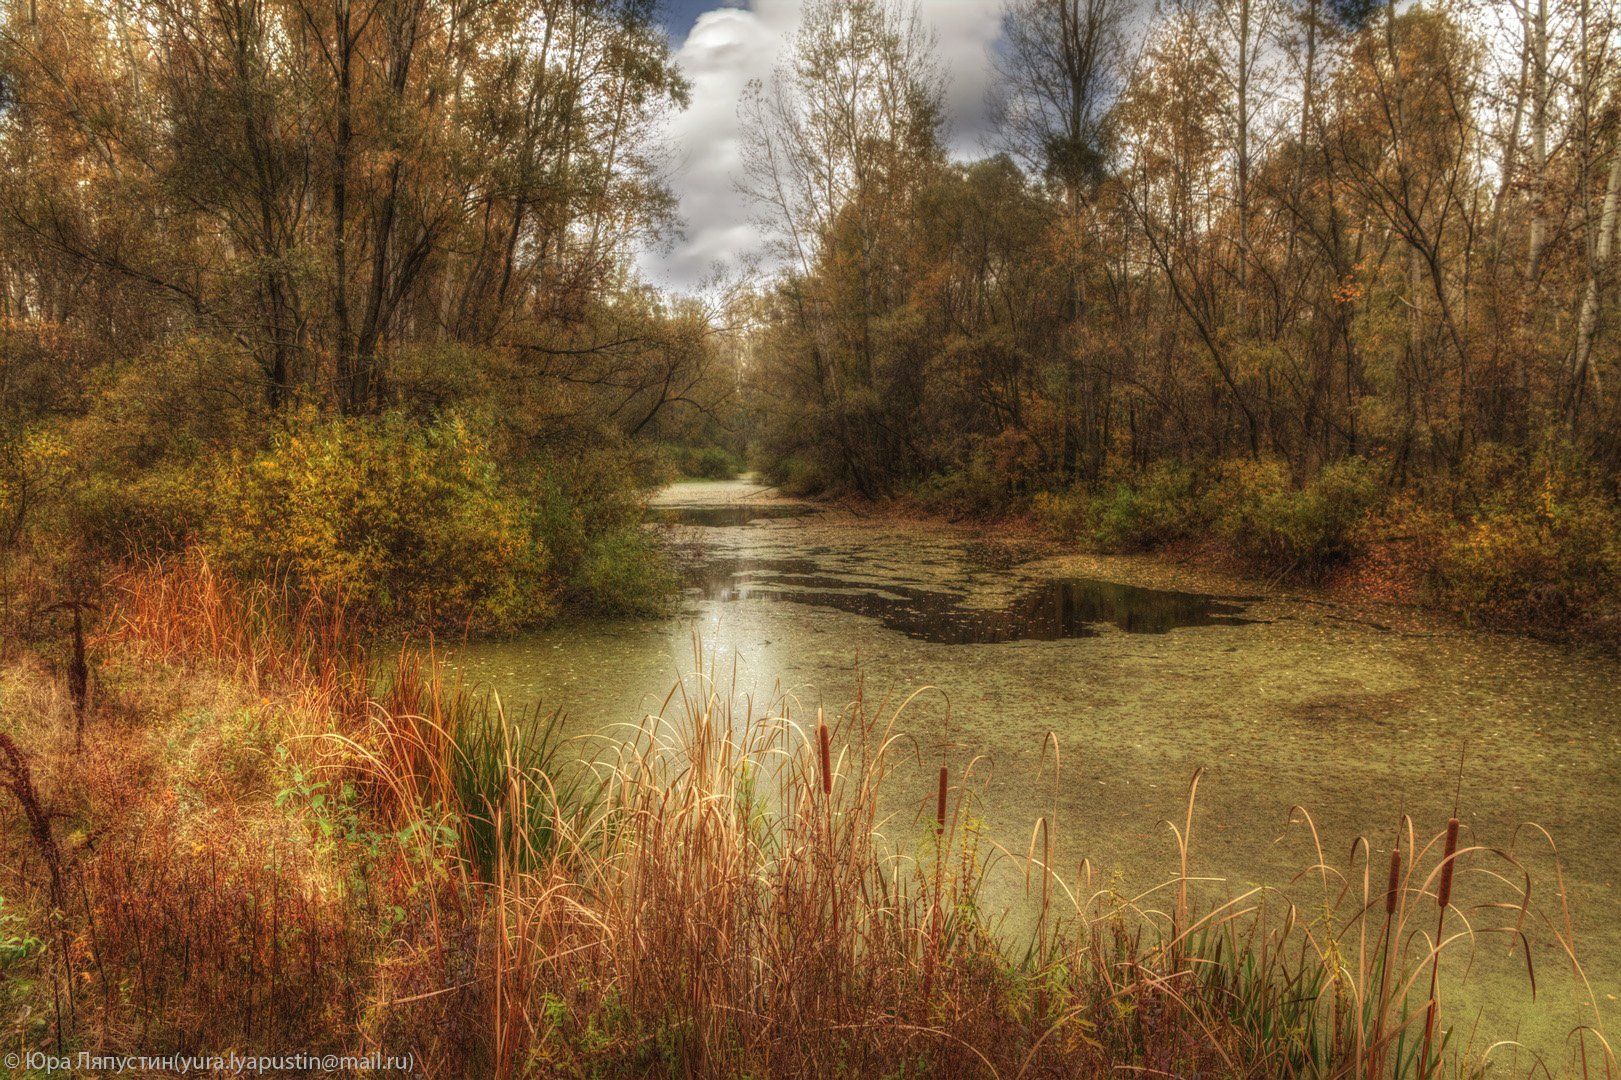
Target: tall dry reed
<point>738,894</point>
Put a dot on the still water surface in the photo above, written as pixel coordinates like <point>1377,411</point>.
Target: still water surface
<point>1143,672</point>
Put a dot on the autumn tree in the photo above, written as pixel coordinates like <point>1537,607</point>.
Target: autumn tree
<point>838,143</point>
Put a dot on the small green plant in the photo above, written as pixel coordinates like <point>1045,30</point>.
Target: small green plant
<point>516,792</point>
<point>18,947</point>
<point>17,943</point>
<point>349,838</point>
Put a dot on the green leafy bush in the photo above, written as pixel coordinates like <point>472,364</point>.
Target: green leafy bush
<point>1159,507</point>
<point>624,573</point>
<point>1297,530</point>
<point>588,514</point>
<point>404,521</point>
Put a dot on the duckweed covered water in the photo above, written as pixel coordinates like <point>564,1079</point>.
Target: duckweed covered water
<point>1143,672</point>
<point>1045,611</point>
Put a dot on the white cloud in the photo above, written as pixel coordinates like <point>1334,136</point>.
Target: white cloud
<point>965,31</point>
<point>731,45</point>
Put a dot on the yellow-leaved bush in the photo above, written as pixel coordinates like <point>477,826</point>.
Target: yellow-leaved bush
<point>404,521</point>
<point>1300,529</point>
<point>1538,547</point>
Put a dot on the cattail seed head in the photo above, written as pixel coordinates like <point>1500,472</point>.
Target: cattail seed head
<point>1394,884</point>
<point>1444,895</point>
<point>827,760</point>
<point>940,803</point>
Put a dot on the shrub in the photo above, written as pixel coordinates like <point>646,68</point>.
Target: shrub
<point>404,521</point>
<point>1161,506</point>
<point>588,514</point>
<point>1065,512</point>
<point>996,477</point>
<point>1546,556</point>
<point>33,462</point>
<point>131,470</point>
<point>1302,530</point>
<point>971,492</point>
<point>119,512</point>
<point>798,476</point>
<point>624,573</point>
<point>701,462</point>
<point>715,463</point>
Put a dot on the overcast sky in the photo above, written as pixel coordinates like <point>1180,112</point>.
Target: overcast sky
<point>721,47</point>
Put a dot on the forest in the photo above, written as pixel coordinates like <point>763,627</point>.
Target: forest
<point>1299,282</point>
<point>329,355</point>
<point>1303,278</point>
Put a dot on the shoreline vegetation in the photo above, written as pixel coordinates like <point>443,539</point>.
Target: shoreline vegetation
<point>1511,553</point>
<point>253,833</point>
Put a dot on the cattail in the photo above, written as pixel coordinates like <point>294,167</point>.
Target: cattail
<point>1392,893</point>
<point>79,668</point>
<point>827,761</point>
<point>1444,895</point>
<point>940,803</point>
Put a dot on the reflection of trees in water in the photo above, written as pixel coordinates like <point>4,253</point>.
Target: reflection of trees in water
<point>1061,604</point>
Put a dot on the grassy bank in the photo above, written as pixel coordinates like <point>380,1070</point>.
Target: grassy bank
<point>260,836</point>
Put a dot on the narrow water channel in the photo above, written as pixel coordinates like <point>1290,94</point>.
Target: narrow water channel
<point>1143,672</point>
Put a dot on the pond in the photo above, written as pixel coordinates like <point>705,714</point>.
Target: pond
<point>1143,672</point>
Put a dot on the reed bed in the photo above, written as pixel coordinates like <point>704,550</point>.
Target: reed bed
<point>733,890</point>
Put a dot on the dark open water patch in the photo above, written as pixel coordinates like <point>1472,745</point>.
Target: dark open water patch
<point>1051,611</point>
<point>725,515</point>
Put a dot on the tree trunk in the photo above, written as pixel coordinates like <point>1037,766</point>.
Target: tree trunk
<point>1598,269</point>
<point>1539,144</point>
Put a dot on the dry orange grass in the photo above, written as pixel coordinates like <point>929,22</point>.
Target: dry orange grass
<point>732,894</point>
